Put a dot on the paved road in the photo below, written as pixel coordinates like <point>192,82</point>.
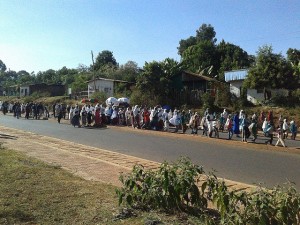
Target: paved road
<point>248,163</point>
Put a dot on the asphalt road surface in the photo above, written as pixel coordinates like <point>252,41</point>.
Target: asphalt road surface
<point>230,159</point>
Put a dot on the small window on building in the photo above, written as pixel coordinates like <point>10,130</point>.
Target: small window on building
<point>260,90</point>
<point>22,90</point>
<point>106,90</point>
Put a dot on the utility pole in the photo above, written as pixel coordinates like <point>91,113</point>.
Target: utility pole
<point>93,71</point>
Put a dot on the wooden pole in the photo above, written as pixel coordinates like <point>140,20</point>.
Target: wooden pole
<point>93,71</point>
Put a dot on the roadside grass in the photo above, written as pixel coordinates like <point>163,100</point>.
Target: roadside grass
<point>32,192</point>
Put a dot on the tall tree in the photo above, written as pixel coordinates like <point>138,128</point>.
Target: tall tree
<point>232,57</point>
<point>66,76</point>
<point>129,71</point>
<point>48,77</point>
<point>270,71</point>
<point>25,77</point>
<point>293,56</point>
<point>11,75</point>
<point>104,59</point>
<point>205,33</point>
<point>2,66</point>
<point>8,78</point>
<point>199,53</point>
<point>79,83</point>
<point>156,78</point>
<point>201,57</point>
<point>185,44</point>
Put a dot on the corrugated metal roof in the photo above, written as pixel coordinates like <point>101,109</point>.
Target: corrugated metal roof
<point>100,78</point>
<point>198,76</point>
<point>201,76</point>
<point>235,75</point>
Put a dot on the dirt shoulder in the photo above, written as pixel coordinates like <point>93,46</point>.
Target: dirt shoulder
<point>85,161</point>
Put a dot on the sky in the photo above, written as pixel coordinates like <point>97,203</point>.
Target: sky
<point>37,35</point>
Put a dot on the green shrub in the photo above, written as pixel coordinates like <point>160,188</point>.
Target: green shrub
<point>37,94</point>
<point>292,100</point>
<point>29,99</point>
<point>100,95</point>
<point>208,100</point>
<point>175,187</point>
<point>171,187</point>
<point>223,96</point>
<point>139,98</point>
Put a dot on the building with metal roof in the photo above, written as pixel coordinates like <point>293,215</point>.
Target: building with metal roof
<point>236,75</point>
<point>236,78</point>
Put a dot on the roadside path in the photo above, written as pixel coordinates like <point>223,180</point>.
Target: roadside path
<point>88,162</point>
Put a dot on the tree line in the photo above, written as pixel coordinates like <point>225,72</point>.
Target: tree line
<point>199,54</point>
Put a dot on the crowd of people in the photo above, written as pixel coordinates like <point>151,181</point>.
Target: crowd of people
<point>164,119</point>
<point>31,110</point>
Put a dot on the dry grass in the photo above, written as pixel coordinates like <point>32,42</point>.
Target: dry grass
<point>35,193</point>
<point>32,192</point>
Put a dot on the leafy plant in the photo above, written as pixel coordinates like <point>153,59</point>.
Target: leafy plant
<point>100,95</point>
<point>171,187</point>
<point>176,187</point>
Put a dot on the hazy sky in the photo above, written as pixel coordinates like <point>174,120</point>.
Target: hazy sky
<point>37,35</point>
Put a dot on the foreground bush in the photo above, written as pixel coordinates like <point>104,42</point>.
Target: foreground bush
<point>177,187</point>
<point>171,187</point>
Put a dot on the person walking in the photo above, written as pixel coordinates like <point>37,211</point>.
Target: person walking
<point>285,129</point>
<point>135,116</point>
<point>269,133</point>
<point>58,112</point>
<point>270,117</point>
<point>27,110</point>
<point>253,129</point>
<point>76,117</point>
<point>183,122</point>
<point>228,126</point>
<point>114,116</point>
<point>18,110</point>
<point>83,115</point>
<point>97,116</point>
<point>195,123</point>
<point>264,126</point>
<point>245,130</point>
<point>128,116</point>
<point>204,126</point>
<point>165,117</point>
<point>89,115</point>
<point>146,119</point>
<point>53,110</point>
<point>293,129</point>
<point>236,124</point>
<point>279,136</point>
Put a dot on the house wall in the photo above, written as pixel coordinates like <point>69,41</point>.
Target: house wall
<point>256,96</point>
<point>105,86</point>
<point>24,91</point>
<point>54,90</point>
<point>235,87</point>
<point>236,78</point>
